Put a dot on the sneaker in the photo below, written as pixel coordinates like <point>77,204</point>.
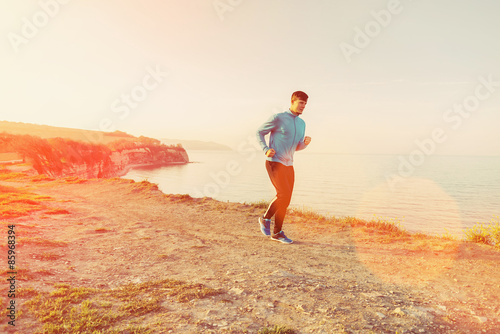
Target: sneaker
<point>281,237</point>
<point>265,226</point>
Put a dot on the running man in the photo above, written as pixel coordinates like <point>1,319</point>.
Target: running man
<point>287,136</point>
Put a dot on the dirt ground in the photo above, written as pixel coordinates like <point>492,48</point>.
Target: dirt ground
<point>332,279</point>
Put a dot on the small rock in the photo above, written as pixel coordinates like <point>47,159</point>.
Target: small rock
<point>399,312</point>
<point>317,288</point>
<point>380,315</point>
<point>481,319</point>
<point>210,312</point>
<point>300,308</point>
<point>237,291</point>
<point>371,294</point>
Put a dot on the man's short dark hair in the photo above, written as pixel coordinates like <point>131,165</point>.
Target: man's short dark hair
<point>299,95</point>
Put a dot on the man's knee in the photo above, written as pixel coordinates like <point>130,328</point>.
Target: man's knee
<point>284,199</point>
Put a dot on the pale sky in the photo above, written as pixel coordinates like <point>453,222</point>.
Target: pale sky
<point>380,74</point>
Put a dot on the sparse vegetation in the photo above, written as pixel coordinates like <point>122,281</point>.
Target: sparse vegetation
<point>57,212</point>
<point>309,214</point>
<point>262,204</point>
<point>69,309</point>
<point>102,230</point>
<point>47,256</point>
<point>7,175</point>
<point>144,187</point>
<point>73,180</point>
<point>41,178</point>
<point>15,202</point>
<point>21,274</point>
<point>390,228</point>
<point>182,291</point>
<point>179,198</point>
<point>43,242</point>
<point>277,330</point>
<point>26,292</point>
<point>485,234</point>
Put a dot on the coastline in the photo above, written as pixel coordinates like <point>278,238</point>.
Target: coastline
<point>130,167</point>
<point>427,203</point>
<point>103,237</point>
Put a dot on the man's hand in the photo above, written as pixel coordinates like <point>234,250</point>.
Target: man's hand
<point>270,153</point>
<point>307,140</point>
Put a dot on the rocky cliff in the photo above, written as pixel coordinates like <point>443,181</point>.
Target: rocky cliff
<point>59,157</point>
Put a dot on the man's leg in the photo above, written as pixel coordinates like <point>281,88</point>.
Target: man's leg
<point>282,178</point>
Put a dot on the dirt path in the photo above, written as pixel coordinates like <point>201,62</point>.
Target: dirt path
<point>333,279</point>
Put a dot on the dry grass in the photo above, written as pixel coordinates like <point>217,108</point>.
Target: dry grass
<point>182,291</point>
<point>382,231</point>
<point>179,198</point>
<point>42,242</point>
<point>47,256</point>
<point>278,329</point>
<point>18,202</point>
<point>12,177</point>
<point>488,234</point>
<point>8,175</point>
<point>41,178</point>
<point>73,180</point>
<point>307,214</point>
<point>119,180</point>
<point>15,202</point>
<point>145,187</point>
<point>57,211</point>
<point>21,274</point>
<point>262,204</point>
<point>102,230</point>
<point>69,309</point>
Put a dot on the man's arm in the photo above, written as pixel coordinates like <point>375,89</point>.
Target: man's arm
<point>263,130</point>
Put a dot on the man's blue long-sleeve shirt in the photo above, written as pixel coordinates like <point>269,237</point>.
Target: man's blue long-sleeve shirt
<point>287,136</point>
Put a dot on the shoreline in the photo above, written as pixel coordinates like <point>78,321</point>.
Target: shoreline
<point>130,167</point>
<point>443,211</point>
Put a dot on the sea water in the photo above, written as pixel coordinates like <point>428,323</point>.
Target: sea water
<point>444,194</point>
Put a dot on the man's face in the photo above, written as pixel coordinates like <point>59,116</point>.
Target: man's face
<point>298,106</point>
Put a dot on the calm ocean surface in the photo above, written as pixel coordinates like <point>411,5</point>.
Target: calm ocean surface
<point>443,194</point>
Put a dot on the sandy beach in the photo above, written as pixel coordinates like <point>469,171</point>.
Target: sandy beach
<point>117,256</point>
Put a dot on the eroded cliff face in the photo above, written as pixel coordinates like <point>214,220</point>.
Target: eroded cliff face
<point>60,157</point>
<point>118,163</point>
<point>126,159</point>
